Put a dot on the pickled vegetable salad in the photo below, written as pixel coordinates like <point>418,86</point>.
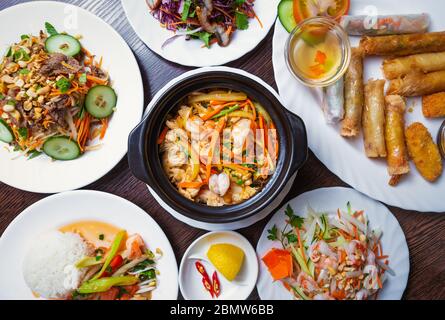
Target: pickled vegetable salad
<point>116,274</point>
<point>54,96</point>
<point>326,256</point>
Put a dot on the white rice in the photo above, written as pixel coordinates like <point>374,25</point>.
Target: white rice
<point>48,267</point>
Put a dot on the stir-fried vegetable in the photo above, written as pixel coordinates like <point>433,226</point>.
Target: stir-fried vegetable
<point>112,253</point>
<point>219,147</point>
<point>103,284</point>
<point>332,256</point>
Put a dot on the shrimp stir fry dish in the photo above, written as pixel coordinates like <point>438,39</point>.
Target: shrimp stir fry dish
<point>219,147</point>
<point>328,256</point>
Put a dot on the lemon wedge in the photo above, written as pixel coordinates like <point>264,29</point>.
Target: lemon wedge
<point>227,259</point>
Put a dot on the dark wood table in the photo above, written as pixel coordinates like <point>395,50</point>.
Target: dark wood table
<point>425,232</point>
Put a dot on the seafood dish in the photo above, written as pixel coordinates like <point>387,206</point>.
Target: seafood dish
<point>328,256</point>
<point>91,260</point>
<point>210,21</point>
<point>55,96</point>
<point>219,147</point>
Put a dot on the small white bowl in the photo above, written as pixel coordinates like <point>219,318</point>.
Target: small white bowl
<point>190,280</point>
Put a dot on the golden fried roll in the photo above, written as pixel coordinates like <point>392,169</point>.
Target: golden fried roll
<point>418,84</point>
<point>350,125</point>
<point>403,45</point>
<point>374,119</point>
<point>397,156</point>
<point>433,106</point>
<point>425,62</point>
<point>423,151</point>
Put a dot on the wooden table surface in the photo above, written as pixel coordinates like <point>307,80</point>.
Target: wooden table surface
<point>425,232</point>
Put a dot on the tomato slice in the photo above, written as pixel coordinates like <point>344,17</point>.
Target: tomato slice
<point>304,9</point>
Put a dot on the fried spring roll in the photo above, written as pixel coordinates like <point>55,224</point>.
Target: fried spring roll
<point>374,119</point>
<point>423,151</point>
<point>385,25</point>
<point>397,156</point>
<point>403,45</point>
<point>425,62</point>
<point>418,84</point>
<point>433,106</point>
<point>350,126</point>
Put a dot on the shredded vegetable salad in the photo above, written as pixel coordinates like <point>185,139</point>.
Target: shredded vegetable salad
<point>211,21</point>
<point>328,256</point>
<point>55,96</point>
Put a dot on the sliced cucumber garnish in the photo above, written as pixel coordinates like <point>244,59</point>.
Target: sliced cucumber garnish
<point>6,134</point>
<point>63,43</point>
<point>61,148</point>
<point>286,15</point>
<point>100,101</point>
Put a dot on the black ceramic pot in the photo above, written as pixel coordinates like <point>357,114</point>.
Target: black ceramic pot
<point>145,162</point>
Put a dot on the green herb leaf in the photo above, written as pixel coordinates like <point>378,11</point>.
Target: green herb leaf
<point>101,236</point>
<point>24,71</point>
<point>24,36</point>
<point>63,84</point>
<point>2,96</point>
<point>34,154</point>
<point>11,102</point>
<point>205,37</point>
<point>9,52</point>
<point>294,220</point>
<point>23,132</point>
<point>186,10</point>
<point>147,275</point>
<point>21,55</point>
<point>242,22</point>
<point>272,233</point>
<point>239,2</point>
<point>50,29</point>
<point>291,237</point>
<point>98,258</point>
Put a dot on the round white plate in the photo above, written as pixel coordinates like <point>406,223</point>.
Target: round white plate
<point>65,208</point>
<point>191,53</point>
<point>346,157</point>
<point>190,280</point>
<point>330,199</point>
<point>41,174</point>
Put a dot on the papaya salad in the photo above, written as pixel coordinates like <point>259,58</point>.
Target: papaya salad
<point>55,97</point>
<point>219,147</point>
<point>211,21</point>
<point>328,256</point>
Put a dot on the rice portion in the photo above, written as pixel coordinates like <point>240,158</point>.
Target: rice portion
<point>48,267</point>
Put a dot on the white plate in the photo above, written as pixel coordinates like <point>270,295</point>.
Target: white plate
<point>191,53</point>
<point>190,280</point>
<point>346,158</point>
<point>329,199</point>
<point>65,208</point>
<point>42,174</point>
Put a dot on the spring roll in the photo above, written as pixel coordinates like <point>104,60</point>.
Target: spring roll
<point>385,25</point>
<point>374,119</point>
<point>350,125</point>
<point>425,62</point>
<point>397,156</point>
<point>333,102</point>
<point>424,151</point>
<point>403,45</point>
<point>418,84</point>
<point>433,106</point>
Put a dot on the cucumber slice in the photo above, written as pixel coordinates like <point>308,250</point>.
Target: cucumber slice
<point>6,134</point>
<point>286,15</point>
<point>61,148</point>
<point>63,43</point>
<point>100,101</point>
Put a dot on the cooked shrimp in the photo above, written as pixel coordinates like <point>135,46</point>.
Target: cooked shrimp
<point>134,246</point>
<point>219,183</point>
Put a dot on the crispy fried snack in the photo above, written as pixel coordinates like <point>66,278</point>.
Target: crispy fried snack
<point>374,119</point>
<point>403,45</point>
<point>433,106</point>
<point>418,84</point>
<point>351,123</point>
<point>397,156</point>
<point>425,62</point>
<point>423,151</point>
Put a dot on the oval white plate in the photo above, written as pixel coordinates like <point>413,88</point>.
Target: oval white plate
<point>41,174</point>
<point>191,53</point>
<point>330,199</point>
<point>64,208</point>
<point>346,158</point>
<point>190,280</point>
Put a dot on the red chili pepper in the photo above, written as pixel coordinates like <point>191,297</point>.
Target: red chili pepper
<point>216,284</point>
<point>200,268</point>
<point>116,262</point>
<point>208,286</point>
